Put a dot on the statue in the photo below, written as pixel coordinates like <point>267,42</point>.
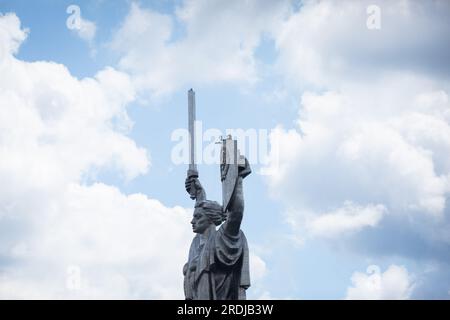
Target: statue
<point>218,261</point>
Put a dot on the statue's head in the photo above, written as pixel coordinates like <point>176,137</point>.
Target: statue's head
<point>206,213</point>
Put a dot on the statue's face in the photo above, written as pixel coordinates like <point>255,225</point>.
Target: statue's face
<point>200,221</point>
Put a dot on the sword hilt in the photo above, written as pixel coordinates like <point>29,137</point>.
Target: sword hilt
<point>192,173</point>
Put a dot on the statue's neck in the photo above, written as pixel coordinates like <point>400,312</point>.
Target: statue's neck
<point>205,235</point>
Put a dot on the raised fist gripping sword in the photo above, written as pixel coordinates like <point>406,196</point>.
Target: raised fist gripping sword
<point>232,164</point>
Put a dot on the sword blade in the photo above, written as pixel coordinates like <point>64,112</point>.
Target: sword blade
<point>191,112</point>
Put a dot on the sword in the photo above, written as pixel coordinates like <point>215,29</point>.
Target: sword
<point>192,171</point>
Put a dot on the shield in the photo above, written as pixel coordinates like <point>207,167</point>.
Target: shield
<point>229,169</point>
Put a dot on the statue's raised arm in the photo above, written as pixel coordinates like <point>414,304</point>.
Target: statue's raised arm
<point>235,211</point>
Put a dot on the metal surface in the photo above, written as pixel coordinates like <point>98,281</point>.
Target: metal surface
<point>192,172</point>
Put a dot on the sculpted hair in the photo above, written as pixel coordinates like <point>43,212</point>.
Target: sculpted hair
<point>212,210</point>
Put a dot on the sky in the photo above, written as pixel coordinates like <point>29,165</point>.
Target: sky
<point>342,106</point>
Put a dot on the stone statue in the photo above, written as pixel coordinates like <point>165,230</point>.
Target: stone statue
<point>218,262</point>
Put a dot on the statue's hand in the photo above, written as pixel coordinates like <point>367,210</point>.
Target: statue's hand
<point>193,186</point>
<point>244,167</point>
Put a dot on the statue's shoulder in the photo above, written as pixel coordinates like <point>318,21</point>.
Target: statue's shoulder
<point>222,231</point>
<point>195,240</point>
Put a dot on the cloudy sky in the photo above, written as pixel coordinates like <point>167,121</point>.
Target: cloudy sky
<point>350,201</point>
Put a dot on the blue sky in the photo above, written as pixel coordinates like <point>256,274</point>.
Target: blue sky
<point>362,178</point>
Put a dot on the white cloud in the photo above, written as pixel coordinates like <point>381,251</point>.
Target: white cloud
<point>348,218</point>
<point>393,284</point>
<point>83,28</point>
<point>358,128</point>
<point>56,133</point>
<point>123,247</point>
<point>373,130</point>
<point>373,127</point>
<point>258,273</point>
<point>41,99</point>
<point>87,30</point>
<point>11,35</point>
<point>217,43</point>
<point>257,267</point>
<point>327,43</point>
<point>387,144</point>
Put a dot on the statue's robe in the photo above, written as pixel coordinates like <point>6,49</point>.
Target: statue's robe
<point>218,266</point>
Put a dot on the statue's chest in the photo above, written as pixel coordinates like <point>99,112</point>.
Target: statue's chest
<point>197,251</point>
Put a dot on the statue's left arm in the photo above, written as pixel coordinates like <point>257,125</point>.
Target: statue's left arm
<point>236,206</point>
<point>235,211</point>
